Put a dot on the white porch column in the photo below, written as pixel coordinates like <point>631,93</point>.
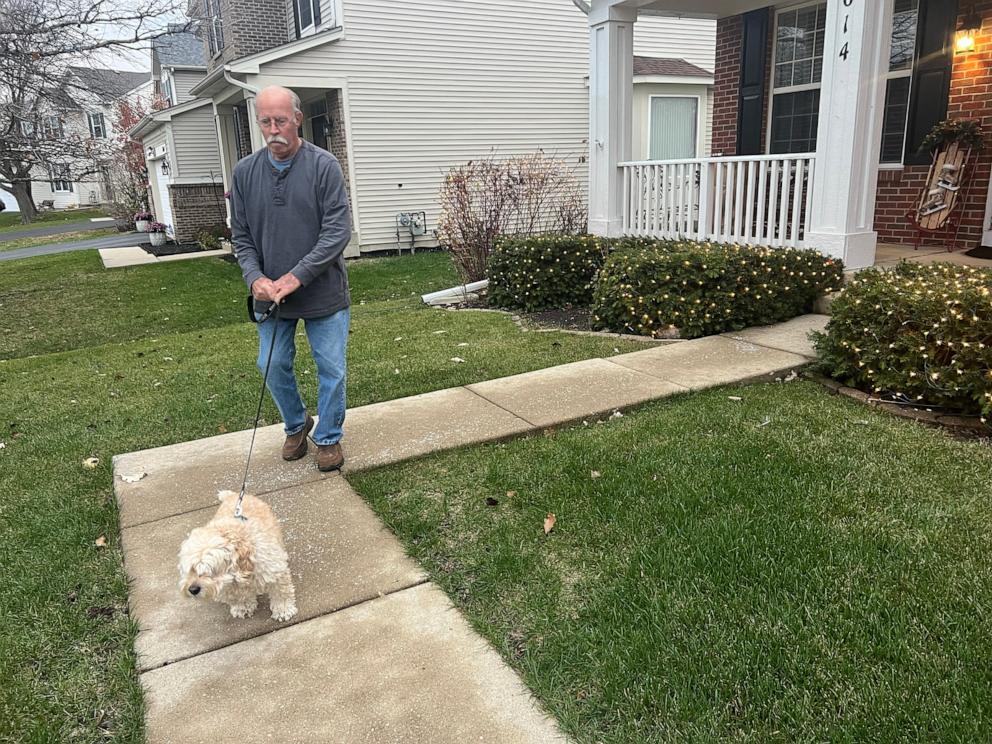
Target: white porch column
<point>611,90</point>
<point>849,137</point>
<point>255,132</point>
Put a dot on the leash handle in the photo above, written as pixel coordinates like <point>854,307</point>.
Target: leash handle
<point>258,412</point>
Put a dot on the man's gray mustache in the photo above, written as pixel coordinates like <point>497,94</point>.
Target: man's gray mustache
<point>277,139</point>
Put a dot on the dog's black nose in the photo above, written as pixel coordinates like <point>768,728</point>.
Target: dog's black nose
<point>194,590</point>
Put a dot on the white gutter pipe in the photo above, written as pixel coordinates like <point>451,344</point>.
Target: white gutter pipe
<point>583,6</point>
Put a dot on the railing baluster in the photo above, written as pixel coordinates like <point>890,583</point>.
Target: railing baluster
<point>705,201</point>
<point>718,203</point>
<point>809,198</point>
<point>797,203</point>
<point>759,216</point>
<point>728,204</point>
<point>749,204</point>
<point>783,217</point>
<point>738,202</point>
<point>772,201</point>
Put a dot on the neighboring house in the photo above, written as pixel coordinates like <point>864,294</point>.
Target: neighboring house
<point>819,110</point>
<point>185,182</point>
<point>85,107</point>
<point>400,92</point>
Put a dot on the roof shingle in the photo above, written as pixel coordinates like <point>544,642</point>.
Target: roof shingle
<point>667,66</point>
<point>183,49</point>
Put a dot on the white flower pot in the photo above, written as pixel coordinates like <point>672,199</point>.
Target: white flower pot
<point>157,238</point>
<point>141,225</point>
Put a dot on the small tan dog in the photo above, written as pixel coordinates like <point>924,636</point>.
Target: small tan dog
<point>233,561</point>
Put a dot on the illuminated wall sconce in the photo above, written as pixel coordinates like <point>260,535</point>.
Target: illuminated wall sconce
<point>964,37</point>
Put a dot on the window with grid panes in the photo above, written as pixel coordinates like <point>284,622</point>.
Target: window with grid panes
<point>796,74</point>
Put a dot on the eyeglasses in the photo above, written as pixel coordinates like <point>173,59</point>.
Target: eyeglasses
<point>280,123</point>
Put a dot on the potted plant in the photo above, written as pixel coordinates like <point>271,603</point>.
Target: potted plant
<point>141,220</point>
<point>156,233</point>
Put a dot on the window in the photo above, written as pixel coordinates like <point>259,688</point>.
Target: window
<point>51,127</point>
<point>61,177</point>
<point>215,27</point>
<point>673,122</point>
<point>307,15</point>
<point>27,128</point>
<point>898,79</point>
<point>167,91</point>
<point>797,69</point>
<point>98,128</point>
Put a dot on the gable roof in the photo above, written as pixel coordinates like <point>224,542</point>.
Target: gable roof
<point>180,49</point>
<point>109,84</point>
<point>667,66</point>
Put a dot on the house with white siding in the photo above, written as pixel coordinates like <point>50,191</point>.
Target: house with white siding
<point>180,142</point>
<point>84,110</point>
<point>400,92</point>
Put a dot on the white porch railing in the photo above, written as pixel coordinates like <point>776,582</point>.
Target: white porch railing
<point>754,199</point>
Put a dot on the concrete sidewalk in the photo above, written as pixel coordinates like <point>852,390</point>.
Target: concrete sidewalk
<point>109,241</point>
<point>377,653</point>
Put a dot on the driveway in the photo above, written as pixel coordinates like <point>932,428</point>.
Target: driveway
<point>110,241</point>
<point>57,229</point>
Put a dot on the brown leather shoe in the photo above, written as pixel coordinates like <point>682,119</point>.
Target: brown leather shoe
<point>329,457</point>
<point>295,445</point>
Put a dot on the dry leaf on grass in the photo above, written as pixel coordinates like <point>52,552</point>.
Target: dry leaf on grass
<point>549,523</point>
<point>734,397</point>
<point>511,494</point>
<point>594,474</point>
<point>3,445</point>
<point>133,478</point>
<point>100,542</point>
<point>457,360</point>
<point>222,429</point>
<point>91,462</point>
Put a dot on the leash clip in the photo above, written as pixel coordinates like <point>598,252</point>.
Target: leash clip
<point>238,513</point>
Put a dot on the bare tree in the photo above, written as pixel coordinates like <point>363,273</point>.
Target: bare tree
<point>39,40</point>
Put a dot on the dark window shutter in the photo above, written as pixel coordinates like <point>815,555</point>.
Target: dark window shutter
<point>296,17</point>
<point>931,74</point>
<point>751,98</point>
<point>316,13</point>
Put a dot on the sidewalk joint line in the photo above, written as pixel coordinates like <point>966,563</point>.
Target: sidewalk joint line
<point>507,410</point>
<point>348,606</point>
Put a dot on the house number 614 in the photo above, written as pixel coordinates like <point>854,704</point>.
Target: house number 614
<point>846,50</point>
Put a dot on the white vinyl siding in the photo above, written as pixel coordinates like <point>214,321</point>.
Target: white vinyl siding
<point>691,39</point>
<point>645,93</point>
<point>195,156</point>
<point>433,83</point>
<point>182,81</point>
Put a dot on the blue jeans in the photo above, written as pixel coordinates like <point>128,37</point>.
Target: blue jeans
<point>328,337</point>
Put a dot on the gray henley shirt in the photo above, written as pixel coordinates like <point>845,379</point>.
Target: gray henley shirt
<point>294,221</point>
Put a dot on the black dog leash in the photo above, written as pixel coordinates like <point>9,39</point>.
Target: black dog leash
<point>273,308</point>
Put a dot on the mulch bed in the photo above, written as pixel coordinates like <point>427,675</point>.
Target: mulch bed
<point>569,318</point>
<point>172,249</point>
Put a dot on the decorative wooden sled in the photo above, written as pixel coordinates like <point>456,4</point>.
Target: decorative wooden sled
<point>941,203</point>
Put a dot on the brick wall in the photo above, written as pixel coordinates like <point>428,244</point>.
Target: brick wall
<point>726,84</point>
<point>339,145</point>
<point>196,207</point>
<point>249,26</point>
<point>970,98</point>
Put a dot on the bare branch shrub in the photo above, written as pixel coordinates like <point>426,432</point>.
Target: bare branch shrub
<point>486,199</point>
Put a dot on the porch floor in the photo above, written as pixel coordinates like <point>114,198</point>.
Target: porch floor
<point>888,255</point>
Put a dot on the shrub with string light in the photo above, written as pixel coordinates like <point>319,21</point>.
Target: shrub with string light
<point>700,289</point>
<point>919,335</point>
<point>549,271</point>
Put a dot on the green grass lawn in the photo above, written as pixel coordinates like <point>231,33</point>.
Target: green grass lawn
<point>12,245</point>
<point>11,221</point>
<point>95,363</point>
<point>824,576</point>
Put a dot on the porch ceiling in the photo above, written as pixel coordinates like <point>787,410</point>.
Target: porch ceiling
<point>692,8</point>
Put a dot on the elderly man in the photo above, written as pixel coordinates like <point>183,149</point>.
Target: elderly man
<point>290,226</point>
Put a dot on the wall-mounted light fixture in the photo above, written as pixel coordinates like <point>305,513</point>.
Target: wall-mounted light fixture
<point>964,37</point>
<point>165,166</point>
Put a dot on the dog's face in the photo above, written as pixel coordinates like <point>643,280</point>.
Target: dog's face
<point>209,561</point>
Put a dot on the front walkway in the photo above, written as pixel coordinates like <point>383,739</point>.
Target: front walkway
<point>377,653</point>
<point>109,241</point>
<point>888,255</point>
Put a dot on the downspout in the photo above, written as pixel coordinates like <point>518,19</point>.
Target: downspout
<point>582,5</point>
<point>252,91</point>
